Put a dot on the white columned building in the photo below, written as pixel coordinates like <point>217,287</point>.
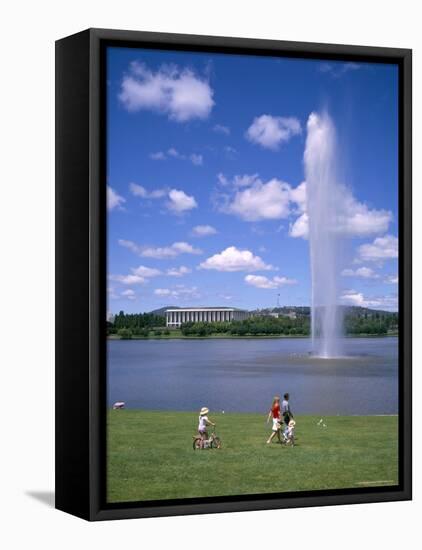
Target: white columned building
<point>175,317</point>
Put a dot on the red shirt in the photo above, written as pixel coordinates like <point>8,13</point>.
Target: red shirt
<point>276,411</point>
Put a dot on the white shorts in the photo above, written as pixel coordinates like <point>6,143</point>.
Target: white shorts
<point>276,425</point>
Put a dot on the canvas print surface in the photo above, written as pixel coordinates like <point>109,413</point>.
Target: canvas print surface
<point>252,275</point>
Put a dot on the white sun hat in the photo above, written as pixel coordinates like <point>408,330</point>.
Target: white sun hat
<point>204,410</point>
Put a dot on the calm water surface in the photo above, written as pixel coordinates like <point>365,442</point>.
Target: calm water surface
<point>243,375</point>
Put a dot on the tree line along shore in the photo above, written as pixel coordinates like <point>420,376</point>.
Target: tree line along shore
<point>356,321</point>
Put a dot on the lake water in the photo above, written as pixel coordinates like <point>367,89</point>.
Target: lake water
<point>243,375</point>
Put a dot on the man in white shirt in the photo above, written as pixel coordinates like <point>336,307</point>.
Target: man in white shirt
<point>285,409</point>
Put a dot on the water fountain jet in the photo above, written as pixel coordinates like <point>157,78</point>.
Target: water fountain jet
<point>322,194</point>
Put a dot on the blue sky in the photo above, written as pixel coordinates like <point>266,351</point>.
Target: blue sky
<point>206,186</point>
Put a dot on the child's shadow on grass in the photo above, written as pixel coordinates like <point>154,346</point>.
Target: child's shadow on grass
<point>45,497</point>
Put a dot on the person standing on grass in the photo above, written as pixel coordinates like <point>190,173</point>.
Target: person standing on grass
<point>276,416</point>
<point>285,409</point>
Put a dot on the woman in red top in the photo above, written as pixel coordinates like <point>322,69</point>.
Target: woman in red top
<point>276,416</point>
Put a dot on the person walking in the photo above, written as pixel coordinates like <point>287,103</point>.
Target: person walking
<point>276,416</point>
<point>285,409</point>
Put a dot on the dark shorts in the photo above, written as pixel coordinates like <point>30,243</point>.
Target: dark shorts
<point>286,417</point>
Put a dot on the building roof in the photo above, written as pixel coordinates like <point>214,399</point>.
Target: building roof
<point>212,308</point>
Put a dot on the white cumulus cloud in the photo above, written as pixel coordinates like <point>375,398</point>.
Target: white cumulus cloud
<point>221,129</point>
<point>162,292</point>
<point>112,293</point>
<point>203,230</point>
<point>159,155</point>
<point>259,281</point>
<point>300,227</point>
<point>176,92</point>
<point>195,158</point>
<point>348,216</point>
<point>357,219</point>
<point>233,259</point>
<point>250,198</point>
<point>298,197</point>
<point>146,272</point>
<point>222,180</point>
<point>114,200</point>
<point>230,152</point>
<point>354,298</point>
<point>353,218</point>
<point>245,180</point>
<point>178,271</point>
<point>259,201</point>
<point>129,294</point>
<point>179,291</point>
<point>160,252</point>
<point>138,276</point>
<point>180,202</point>
<point>140,191</point>
<point>392,280</point>
<point>382,248</point>
<point>361,272</point>
<point>270,131</point>
<point>130,279</point>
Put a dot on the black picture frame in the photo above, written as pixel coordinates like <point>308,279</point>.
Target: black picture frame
<point>81,273</point>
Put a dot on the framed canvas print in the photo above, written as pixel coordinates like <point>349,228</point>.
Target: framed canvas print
<point>233,274</point>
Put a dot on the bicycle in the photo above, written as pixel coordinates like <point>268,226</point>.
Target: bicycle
<point>213,442</point>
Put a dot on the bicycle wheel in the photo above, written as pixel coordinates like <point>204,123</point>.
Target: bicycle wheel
<point>197,443</point>
<point>216,444</point>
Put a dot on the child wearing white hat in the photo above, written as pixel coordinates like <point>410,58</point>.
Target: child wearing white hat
<point>204,421</point>
<point>289,432</point>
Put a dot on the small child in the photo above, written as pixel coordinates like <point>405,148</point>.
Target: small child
<point>204,421</point>
<point>275,414</point>
<point>289,433</point>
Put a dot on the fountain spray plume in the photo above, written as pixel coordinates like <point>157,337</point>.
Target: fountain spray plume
<point>322,194</point>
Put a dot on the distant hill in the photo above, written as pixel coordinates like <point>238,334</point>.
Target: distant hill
<point>301,311</point>
<point>357,311</point>
<point>284,310</point>
<point>305,311</point>
<point>161,312</point>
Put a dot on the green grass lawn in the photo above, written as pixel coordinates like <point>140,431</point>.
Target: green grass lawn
<point>150,455</point>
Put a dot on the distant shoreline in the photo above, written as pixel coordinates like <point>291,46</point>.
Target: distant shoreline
<point>250,337</point>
